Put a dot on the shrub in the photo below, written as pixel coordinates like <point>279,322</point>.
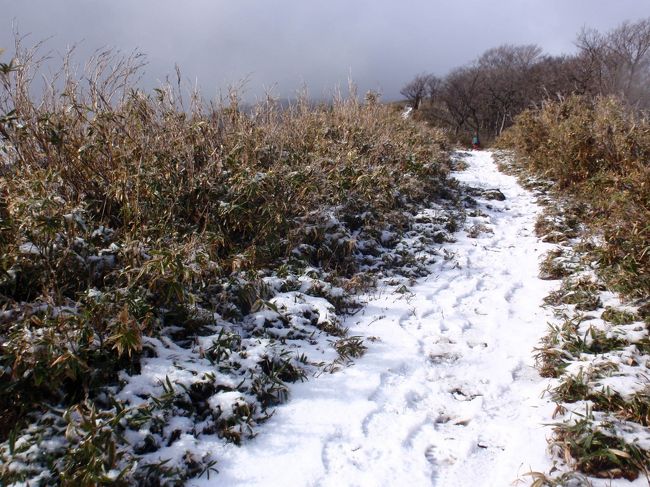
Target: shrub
<point>123,214</point>
<point>597,150</point>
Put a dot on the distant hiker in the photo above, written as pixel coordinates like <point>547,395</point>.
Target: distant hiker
<point>476,143</point>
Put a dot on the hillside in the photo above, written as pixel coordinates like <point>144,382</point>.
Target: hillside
<point>196,292</point>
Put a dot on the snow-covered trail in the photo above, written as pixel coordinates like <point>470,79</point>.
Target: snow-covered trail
<point>447,394</point>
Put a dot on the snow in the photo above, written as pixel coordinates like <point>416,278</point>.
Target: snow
<point>225,401</point>
<point>447,393</point>
<point>29,248</point>
<point>295,303</point>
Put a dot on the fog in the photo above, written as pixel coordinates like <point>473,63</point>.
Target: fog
<point>282,45</point>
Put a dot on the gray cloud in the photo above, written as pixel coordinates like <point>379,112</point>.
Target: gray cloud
<point>285,43</point>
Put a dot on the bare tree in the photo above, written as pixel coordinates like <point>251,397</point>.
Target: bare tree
<point>619,61</point>
<point>416,90</point>
<point>629,44</point>
<point>509,82</point>
<point>434,85</point>
<point>463,97</point>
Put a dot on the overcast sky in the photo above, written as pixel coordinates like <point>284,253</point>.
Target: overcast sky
<point>283,44</point>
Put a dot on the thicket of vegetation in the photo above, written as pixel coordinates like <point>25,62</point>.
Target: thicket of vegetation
<point>484,96</point>
<point>124,213</point>
<point>598,151</point>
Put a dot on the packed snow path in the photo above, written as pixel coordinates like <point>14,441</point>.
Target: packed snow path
<point>446,394</point>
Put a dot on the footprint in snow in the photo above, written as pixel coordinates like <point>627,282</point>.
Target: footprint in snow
<point>435,459</point>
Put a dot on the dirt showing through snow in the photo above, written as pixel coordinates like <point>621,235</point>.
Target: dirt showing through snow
<point>446,394</point>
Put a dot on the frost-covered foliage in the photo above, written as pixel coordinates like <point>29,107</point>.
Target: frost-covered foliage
<point>167,267</point>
